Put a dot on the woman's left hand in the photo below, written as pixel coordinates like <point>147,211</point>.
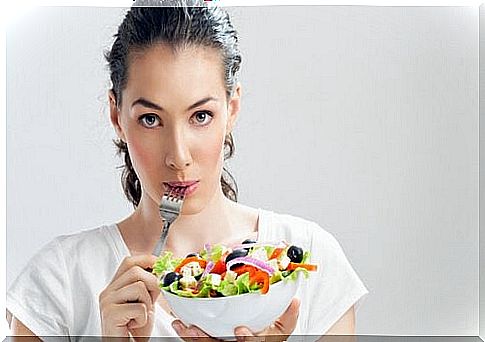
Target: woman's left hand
<point>278,331</point>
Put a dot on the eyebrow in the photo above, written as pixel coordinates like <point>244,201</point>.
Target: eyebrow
<point>149,104</point>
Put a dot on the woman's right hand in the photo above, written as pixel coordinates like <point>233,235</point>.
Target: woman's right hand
<point>127,304</point>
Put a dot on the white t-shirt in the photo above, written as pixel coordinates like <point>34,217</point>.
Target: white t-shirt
<point>57,292</point>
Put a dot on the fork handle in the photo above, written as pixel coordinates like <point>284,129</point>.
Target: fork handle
<point>163,238</point>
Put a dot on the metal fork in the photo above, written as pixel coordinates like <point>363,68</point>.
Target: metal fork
<point>170,208</point>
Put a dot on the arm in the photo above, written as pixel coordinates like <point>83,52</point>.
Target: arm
<point>344,326</point>
<point>17,329</point>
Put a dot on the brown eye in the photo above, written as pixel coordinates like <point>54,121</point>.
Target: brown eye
<point>203,118</point>
<point>148,120</point>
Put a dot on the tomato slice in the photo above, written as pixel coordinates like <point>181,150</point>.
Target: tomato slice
<point>245,268</point>
<point>260,277</point>
<point>219,267</point>
<point>184,262</point>
<point>293,265</point>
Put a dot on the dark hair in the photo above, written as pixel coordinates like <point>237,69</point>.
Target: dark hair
<point>183,24</point>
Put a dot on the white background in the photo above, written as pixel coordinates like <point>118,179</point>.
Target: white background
<point>363,119</point>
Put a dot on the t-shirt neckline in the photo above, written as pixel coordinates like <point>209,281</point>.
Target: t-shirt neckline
<point>122,250</point>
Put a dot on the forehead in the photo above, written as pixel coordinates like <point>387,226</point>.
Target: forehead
<point>161,71</point>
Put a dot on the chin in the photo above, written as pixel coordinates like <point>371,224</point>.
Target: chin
<point>192,207</point>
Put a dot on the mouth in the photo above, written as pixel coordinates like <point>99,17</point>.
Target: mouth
<point>180,187</point>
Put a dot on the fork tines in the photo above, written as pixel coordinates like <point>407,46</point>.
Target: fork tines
<point>175,195</point>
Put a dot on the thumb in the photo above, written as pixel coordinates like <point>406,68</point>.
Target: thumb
<point>286,323</point>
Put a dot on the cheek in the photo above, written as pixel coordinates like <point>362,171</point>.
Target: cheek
<point>142,157</point>
<point>211,154</point>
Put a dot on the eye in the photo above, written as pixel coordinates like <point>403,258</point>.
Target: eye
<point>149,120</point>
<point>203,118</point>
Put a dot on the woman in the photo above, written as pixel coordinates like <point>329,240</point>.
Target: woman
<point>174,104</point>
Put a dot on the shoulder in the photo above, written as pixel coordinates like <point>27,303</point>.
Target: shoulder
<point>296,229</point>
<point>84,238</point>
<point>86,244</point>
<point>81,262</point>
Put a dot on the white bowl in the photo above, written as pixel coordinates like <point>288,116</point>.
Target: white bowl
<point>219,316</point>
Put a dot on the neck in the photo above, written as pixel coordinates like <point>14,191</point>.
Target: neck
<point>216,222</point>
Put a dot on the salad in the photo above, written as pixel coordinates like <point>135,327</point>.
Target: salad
<point>220,271</point>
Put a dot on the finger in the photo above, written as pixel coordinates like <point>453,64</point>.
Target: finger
<point>133,315</point>
<point>286,323</point>
<point>189,332</point>
<point>134,274</point>
<point>141,333</point>
<point>243,334</point>
<point>132,293</point>
<point>197,331</point>
<point>143,261</point>
<point>181,329</point>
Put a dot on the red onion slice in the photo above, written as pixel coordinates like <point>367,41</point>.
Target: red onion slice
<point>207,247</point>
<point>262,244</point>
<point>253,262</point>
<point>210,265</point>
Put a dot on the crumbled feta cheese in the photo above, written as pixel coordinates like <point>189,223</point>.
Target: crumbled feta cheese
<point>215,279</point>
<point>192,268</point>
<point>273,263</point>
<point>186,272</point>
<point>284,262</point>
<point>260,253</point>
<point>230,276</point>
<point>188,281</point>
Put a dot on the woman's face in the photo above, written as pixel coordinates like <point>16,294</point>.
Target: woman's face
<point>174,119</point>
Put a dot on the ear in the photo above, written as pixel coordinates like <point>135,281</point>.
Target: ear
<point>114,114</point>
<point>234,106</point>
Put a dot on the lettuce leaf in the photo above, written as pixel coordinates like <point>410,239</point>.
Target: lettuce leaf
<point>275,277</point>
<point>254,287</point>
<point>242,283</point>
<point>285,274</point>
<point>216,253</point>
<point>228,289</point>
<point>173,288</point>
<point>294,275</point>
<point>204,291</point>
<point>306,257</point>
<point>165,263</point>
<point>269,250</point>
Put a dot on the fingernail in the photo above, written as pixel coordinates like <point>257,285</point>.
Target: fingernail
<point>177,326</point>
<point>242,331</point>
<point>192,332</point>
<point>239,338</point>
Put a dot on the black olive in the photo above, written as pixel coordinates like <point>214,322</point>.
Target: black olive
<point>248,241</point>
<point>295,254</point>
<point>192,255</point>
<point>170,278</point>
<point>236,254</point>
<point>197,277</point>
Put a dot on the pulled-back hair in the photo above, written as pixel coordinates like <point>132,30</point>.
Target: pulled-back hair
<point>184,23</point>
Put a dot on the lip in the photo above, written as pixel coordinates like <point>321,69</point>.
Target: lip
<point>191,186</point>
<point>179,183</point>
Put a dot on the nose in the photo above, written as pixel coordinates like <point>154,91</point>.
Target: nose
<point>178,155</point>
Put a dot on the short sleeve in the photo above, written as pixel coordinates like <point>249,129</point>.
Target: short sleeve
<point>334,288</point>
<point>39,297</point>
